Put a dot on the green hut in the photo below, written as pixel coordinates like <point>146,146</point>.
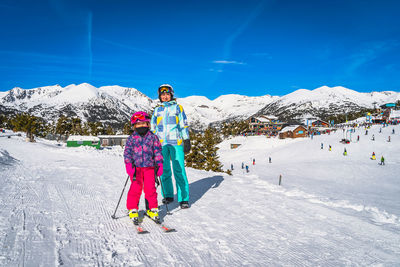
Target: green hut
<point>82,140</point>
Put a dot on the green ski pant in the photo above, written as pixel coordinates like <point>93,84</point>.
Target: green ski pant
<point>176,155</point>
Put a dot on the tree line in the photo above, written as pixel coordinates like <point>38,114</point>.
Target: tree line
<point>36,126</point>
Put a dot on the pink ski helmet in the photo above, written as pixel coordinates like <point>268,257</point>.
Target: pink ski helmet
<point>140,116</point>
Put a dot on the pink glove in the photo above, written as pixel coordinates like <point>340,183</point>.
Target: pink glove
<point>160,169</point>
<point>129,169</point>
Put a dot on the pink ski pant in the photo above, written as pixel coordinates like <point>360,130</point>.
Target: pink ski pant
<point>144,180</point>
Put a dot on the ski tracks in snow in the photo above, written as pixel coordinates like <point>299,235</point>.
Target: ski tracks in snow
<point>321,234</point>
<point>58,210</point>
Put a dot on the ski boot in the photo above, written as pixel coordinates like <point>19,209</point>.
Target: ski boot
<point>134,216</point>
<point>167,200</point>
<point>184,205</point>
<point>153,214</point>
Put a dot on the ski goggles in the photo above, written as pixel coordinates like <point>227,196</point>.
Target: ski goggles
<point>140,117</point>
<point>165,90</point>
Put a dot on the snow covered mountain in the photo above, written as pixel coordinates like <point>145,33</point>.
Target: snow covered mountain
<point>113,105</point>
<point>325,101</point>
<point>202,111</point>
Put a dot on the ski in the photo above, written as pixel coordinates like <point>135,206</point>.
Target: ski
<point>167,229</point>
<point>139,228</point>
<point>163,226</point>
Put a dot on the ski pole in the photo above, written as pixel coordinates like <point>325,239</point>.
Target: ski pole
<point>113,216</point>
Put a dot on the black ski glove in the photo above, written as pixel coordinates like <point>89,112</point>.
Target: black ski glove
<point>134,174</point>
<point>186,146</point>
<point>155,176</point>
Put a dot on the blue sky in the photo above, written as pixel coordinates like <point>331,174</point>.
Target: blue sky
<point>205,47</point>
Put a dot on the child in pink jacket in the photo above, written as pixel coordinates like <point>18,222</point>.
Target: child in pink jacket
<point>143,160</point>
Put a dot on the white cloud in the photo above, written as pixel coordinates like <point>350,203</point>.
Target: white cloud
<point>228,62</point>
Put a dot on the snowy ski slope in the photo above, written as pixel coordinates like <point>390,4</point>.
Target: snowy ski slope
<point>56,206</point>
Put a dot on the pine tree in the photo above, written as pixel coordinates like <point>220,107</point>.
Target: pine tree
<point>203,154</point>
<point>86,129</point>
<point>76,126</point>
<point>127,129</point>
<point>234,128</point>
<point>3,120</point>
<point>195,158</point>
<point>63,126</point>
<point>210,140</point>
<point>109,130</point>
<point>96,128</point>
<point>29,124</point>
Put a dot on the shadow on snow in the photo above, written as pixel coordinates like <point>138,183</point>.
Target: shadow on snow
<point>197,190</point>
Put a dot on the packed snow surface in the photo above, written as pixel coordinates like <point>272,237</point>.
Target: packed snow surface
<point>330,210</point>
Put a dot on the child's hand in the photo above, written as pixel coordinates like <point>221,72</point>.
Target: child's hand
<point>160,169</point>
<point>130,170</point>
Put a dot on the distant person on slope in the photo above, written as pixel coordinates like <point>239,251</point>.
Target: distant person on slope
<point>143,160</point>
<point>169,123</point>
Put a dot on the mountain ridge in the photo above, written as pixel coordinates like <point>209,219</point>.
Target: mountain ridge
<point>114,104</point>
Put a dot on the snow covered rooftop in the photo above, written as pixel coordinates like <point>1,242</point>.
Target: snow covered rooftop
<point>271,117</point>
<point>290,128</point>
<point>262,119</point>
<point>83,138</point>
<point>113,136</point>
<point>266,118</point>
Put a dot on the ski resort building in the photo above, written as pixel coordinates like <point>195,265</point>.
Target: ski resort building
<point>233,146</point>
<point>78,140</point>
<point>320,127</point>
<point>113,140</point>
<point>394,117</point>
<point>57,137</point>
<point>320,123</point>
<point>264,125</point>
<point>294,131</point>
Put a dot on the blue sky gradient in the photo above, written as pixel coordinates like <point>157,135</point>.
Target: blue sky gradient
<point>205,48</point>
